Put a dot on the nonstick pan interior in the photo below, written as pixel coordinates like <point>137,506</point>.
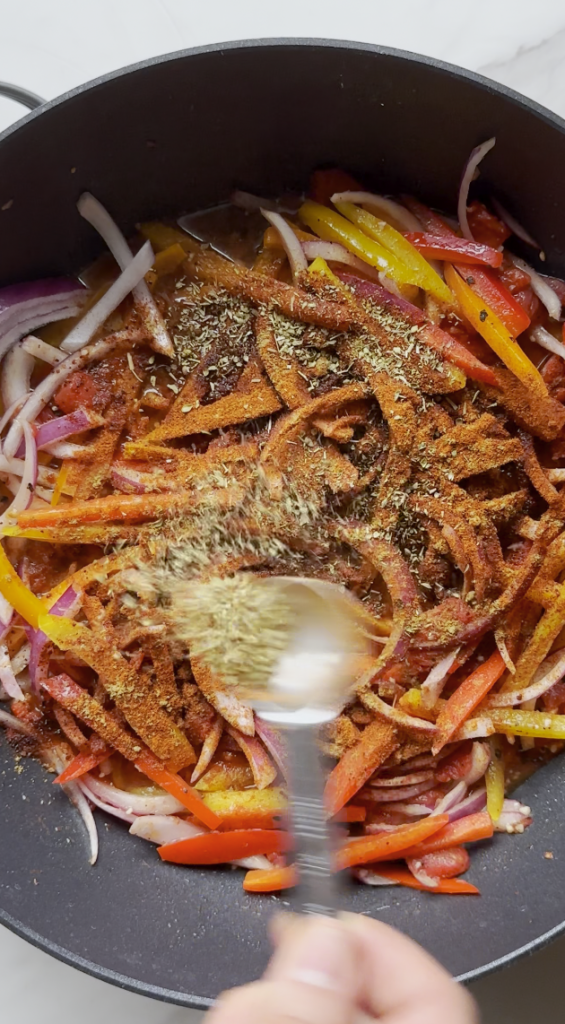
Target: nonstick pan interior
<point>176,134</point>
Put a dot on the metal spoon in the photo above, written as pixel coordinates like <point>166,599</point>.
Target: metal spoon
<point>308,688</point>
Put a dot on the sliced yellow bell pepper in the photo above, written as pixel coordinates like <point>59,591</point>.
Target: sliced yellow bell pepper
<point>319,266</point>
<point>488,325</point>
<point>424,275</point>
<point>20,597</point>
<point>63,632</point>
<point>495,780</point>
<point>538,724</point>
<point>332,227</point>
<point>60,483</point>
<point>169,259</point>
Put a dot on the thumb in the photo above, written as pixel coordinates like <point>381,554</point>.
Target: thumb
<point>313,978</point>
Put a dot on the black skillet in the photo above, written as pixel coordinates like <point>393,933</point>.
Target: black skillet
<point>175,134</point>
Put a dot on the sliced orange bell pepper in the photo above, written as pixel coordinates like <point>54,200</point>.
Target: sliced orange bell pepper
<point>248,808</point>
<point>491,328</point>
<point>466,697</point>
<point>150,765</point>
<point>223,847</point>
<point>470,829</point>
<point>270,880</point>
<point>387,845</point>
<point>167,261</point>
<point>400,247</point>
<point>445,886</point>
<point>377,742</point>
<point>487,284</point>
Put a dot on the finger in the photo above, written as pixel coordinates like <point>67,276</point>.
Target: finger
<point>403,983</point>
<point>313,978</point>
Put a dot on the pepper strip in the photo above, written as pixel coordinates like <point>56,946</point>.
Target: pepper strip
<point>384,846</point>
<point>445,886</point>
<point>453,248</point>
<point>488,325</point>
<point>494,779</point>
<point>223,847</point>
<point>466,698</point>
<point>377,742</point>
<point>470,829</point>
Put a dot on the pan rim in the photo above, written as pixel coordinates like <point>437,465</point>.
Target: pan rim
<point>283,42</point>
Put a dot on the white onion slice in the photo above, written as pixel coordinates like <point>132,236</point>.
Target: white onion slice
<point>41,350</point>
<point>44,392</point>
<point>24,494</point>
<point>97,315</point>
<point>369,877</point>
<point>77,797</point>
<point>545,294</point>
<point>468,176</point>
<point>550,672</point>
<point>291,244</point>
<point>164,828</point>
<point>435,680</point>
<point>547,341</point>
<point>132,803</point>
<point>475,729</point>
<point>11,722</point>
<point>16,375</point>
<point>420,874</point>
<point>472,804</point>
<point>108,808</point>
<point>514,226</point>
<point>6,612</point>
<point>337,253</point>
<point>47,313</point>
<point>7,677</point>
<point>480,761</point>
<point>101,221</point>
<point>391,211</point>
<point>20,661</point>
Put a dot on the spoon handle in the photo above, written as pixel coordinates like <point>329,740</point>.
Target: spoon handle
<point>316,893</point>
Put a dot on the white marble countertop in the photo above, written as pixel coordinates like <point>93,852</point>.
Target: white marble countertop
<point>51,47</point>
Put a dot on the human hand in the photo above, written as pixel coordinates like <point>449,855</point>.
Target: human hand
<point>348,971</point>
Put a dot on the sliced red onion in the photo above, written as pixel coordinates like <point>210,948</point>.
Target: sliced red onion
<point>101,221</point>
<point>97,315</point>
<point>24,307</point>
<point>16,375</point>
<point>551,671</point>
<point>472,804</point>
<point>514,225</point>
<point>369,877</point>
<point>389,285</point>
<point>391,210</point>
<point>480,760</point>
<point>11,722</point>
<point>77,796</point>
<point>132,803</point>
<point>253,204</point>
<point>7,677</point>
<point>67,605</point>
<point>547,341</point>
<point>257,863</point>
<point>435,680</point>
<point>164,828</point>
<point>264,771</point>
<point>61,427</point>
<point>390,795</point>
<point>416,866</point>
<point>291,244</point>
<point>41,350</point>
<point>9,413</point>
<point>514,817</point>
<point>24,494</point>
<point>413,779</point>
<point>337,253</point>
<point>108,808</point>
<point>65,449</point>
<point>44,392</point>
<point>209,748</point>
<point>544,292</point>
<point>451,799</point>
<point>556,476</point>
<point>470,171</point>
<point>411,810</point>
<point>20,661</point>
<point>129,481</point>
<point>232,709</point>
<point>274,742</point>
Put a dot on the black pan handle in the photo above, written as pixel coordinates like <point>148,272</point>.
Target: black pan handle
<point>13,92</point>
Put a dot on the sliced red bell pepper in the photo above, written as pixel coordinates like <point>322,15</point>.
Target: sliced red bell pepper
<point>466,697</point>
<point>270,880</point>
<point>446,886</point>
<point>149,765</point>
<point>488,285</point>
<point>453,248</point>
<point>377,742</point>
<point>387,845</point>
<point>82,763</point>
<point>223,847</point>
<point>470,829</point>
<point>431,221</point>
